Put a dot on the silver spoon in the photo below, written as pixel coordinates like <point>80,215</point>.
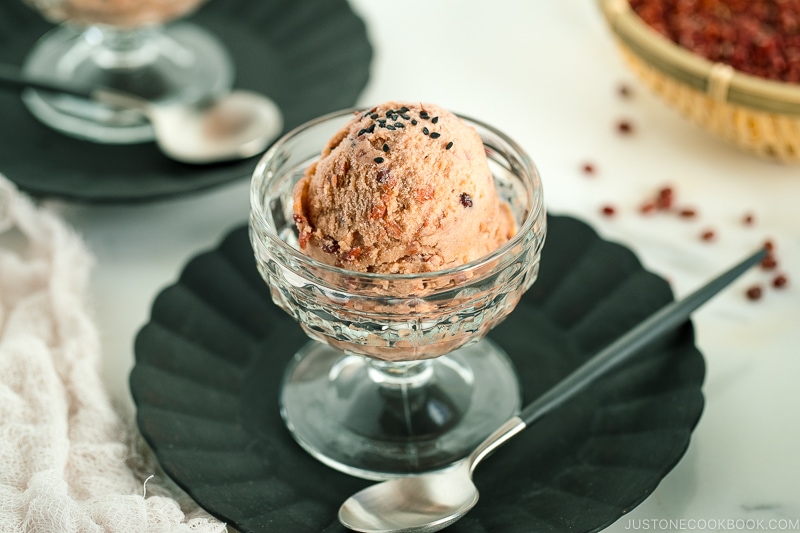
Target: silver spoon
<point>236,125</point>
<point>430,502</point>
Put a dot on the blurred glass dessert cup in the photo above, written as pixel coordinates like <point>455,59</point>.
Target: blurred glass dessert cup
<point>128,45</point>
<point>398,377</point>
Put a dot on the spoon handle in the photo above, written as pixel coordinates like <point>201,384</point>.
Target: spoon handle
<point>656,324</point>
<point>11,77</point>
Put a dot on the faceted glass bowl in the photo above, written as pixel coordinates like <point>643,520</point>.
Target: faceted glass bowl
<point>397,379</point>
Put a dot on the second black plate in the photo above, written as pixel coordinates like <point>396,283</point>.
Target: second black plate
<point>310,57</point>
<point>210,361</point>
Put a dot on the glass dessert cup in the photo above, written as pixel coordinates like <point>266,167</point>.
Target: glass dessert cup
<point>398,377</point>
<point>131,49</point>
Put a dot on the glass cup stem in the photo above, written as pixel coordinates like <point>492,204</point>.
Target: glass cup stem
<point>121,49</point>
<point>400,378</point>
<point>400,374</point>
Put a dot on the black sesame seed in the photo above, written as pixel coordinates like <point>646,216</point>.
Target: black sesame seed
<point>374,116</point>
<point>385,147</point>
<point>449,145</point>
<point>403,109</point>
<point>389,112</point>
<point>425,131</point>
<point>435,120</point>
<point>378,160</point>
<point>371,128</point>
<point>362,132</point>
<point>390,127</point>
<point>399,125</point>
<point>435,135</point>
<point>413,122</point>
<point>406,117</point>
<point>424,115</point>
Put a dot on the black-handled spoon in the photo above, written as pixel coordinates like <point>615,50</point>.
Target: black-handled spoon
<point>430,502</point>
<point>236,125</point>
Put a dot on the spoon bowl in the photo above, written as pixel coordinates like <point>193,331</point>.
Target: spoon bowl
<point>423,503</point>
<point>235,126</point>
<point>427,503</point>
<point>430,502</point>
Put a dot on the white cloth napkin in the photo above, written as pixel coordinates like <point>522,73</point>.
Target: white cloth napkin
<point>68,462</point>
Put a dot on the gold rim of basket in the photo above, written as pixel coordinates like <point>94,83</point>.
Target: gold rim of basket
<point>719,81</point>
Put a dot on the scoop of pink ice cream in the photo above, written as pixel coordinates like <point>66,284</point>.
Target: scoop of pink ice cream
<point>118,13</point>
<point>402,188</point>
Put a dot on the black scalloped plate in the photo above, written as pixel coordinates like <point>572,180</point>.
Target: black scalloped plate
<point>210,361</point>
<point>310,57</point>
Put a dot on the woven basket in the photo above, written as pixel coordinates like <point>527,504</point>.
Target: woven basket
<point>758,115</point>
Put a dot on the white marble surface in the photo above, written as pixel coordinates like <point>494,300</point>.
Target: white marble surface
<point>547,73</point>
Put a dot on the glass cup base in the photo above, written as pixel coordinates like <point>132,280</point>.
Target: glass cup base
<point>378,420</point>
<point>175,63</point>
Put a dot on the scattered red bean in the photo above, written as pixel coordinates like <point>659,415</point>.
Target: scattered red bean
<point>708,235</point>
<point>748,219</point>
<point>769,245</point>
<point>588,168</point>
<point>665,198</point>
<point>624,91</point>
<point>609,210</point>
<point>648,207</point>
<point>688,212</point>
<point>625,127</point>
<point>780,281</point>
<point>769,262</point>
<point>754,292</point>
